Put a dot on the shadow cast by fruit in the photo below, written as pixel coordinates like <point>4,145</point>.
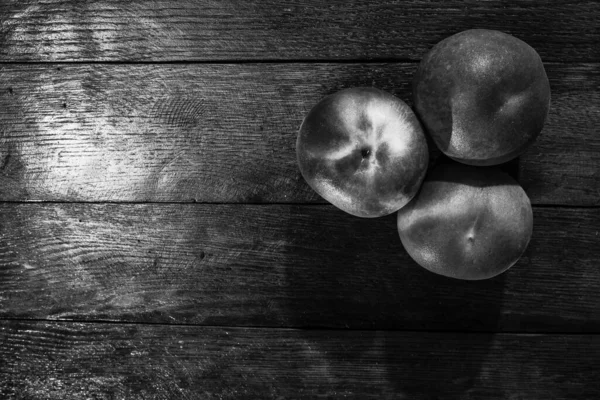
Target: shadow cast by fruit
<point>353,275</point>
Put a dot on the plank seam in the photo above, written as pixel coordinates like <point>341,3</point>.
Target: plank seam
<point>304,328</point>
<point>258,61</point>
<point>230,61</point>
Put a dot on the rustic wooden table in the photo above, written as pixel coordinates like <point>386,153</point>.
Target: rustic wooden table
<point>158,242</point>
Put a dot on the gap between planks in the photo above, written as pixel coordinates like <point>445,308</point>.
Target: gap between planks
<point>251,62</point>
<point>283,328</point>
<point>236,62</point>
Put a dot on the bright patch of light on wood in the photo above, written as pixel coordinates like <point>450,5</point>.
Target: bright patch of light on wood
<point>79,165</point>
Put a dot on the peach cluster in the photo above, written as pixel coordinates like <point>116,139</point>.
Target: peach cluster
<point>482,97</point>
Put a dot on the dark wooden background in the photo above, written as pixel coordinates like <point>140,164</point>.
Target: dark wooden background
<point>158,242</point>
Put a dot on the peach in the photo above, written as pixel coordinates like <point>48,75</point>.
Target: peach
<point>482,95</point>
<point>363,150</point>
<point>467,222</point>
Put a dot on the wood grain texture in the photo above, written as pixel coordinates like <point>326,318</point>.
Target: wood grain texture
<point>227,133</point>
<point>169,104</point>
<point>106,361</point>
<point>281,266</point>
<point>134,30</point>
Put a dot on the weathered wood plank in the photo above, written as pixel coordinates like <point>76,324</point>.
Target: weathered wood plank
<point>226,133</point>
<point>281,266</point>
<point>118,30</point>
<point>105,361</point>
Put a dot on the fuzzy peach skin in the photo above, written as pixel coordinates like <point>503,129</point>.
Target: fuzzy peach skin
<point>363,150</point>
<point>467,222</point>
<point>482,95</point>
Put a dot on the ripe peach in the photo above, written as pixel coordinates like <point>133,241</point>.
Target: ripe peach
<point>467,222</point>
<point>482,95</point>
<point>363,150</point>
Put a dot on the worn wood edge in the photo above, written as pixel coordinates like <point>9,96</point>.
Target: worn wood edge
<point>184,133</point>
<point>70,360</point>
<point>281,266</point>
<point>192,31</point>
